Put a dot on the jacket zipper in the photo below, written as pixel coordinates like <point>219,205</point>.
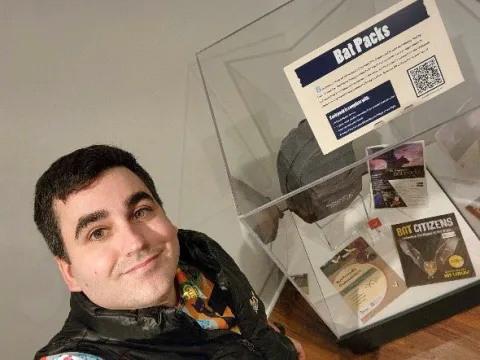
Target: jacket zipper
<point>248,345</point>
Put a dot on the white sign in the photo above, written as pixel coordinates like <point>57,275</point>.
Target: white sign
<point>398,59</point>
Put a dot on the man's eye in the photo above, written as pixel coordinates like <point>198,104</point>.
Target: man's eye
<point>98,234</point>
<point>141,213</point>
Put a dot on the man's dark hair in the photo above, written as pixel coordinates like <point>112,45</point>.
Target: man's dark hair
<point>70,174</point>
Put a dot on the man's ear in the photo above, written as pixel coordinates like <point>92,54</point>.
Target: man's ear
<point>66,271</point>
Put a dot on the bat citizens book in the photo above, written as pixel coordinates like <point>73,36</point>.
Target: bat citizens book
<point>432,250</point>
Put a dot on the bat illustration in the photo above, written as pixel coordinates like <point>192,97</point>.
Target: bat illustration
<point>445,249</point>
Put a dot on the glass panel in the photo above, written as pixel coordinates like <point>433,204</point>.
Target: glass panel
<point>304,217</point>
<point>287,250</point>
<point>335,229</point>
<point>254,107</point>
<point>453,183</point>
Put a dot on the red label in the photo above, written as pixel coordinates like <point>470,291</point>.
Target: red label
<point>374,223</point>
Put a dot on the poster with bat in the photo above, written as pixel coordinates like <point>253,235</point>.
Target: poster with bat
<point>432,250</point>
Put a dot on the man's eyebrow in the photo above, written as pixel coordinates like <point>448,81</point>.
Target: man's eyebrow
<point>135,198</point>
<point>85,220</point>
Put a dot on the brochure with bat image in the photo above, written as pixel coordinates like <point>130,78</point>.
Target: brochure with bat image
<point>398,176</point>
<point>432,250</point>
<point>363,279</point>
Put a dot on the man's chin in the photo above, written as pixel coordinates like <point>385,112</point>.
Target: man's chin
<point>158,293</point>
<point>163,302</point>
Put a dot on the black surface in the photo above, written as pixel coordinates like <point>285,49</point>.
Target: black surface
<point>369,339</point>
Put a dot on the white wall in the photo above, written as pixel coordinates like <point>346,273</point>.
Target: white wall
<point>75,73</point>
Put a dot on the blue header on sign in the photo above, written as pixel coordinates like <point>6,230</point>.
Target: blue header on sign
<point>359,44</point>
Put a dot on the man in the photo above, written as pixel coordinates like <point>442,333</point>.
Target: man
<point>140,288</point>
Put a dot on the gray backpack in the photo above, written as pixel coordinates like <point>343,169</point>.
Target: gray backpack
<point>300,162</point>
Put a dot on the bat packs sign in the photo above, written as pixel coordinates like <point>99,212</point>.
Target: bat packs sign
<point>432,250</point>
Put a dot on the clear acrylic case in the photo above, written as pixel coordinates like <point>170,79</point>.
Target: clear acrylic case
<point>253,109</point>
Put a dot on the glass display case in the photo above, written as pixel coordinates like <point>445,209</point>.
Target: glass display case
<point>311,211</point>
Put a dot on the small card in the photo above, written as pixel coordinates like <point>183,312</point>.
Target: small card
<point>432,250</point>
<point>363,279</point>
<point>398,176</point>
<point>474,208</point>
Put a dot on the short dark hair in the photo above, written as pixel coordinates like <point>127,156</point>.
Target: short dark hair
<point>70,174</point>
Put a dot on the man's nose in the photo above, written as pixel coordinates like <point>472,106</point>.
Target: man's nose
<point>133,240</point>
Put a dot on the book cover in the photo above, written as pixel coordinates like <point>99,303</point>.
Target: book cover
<point>432,250</point>
<point>363,279</point>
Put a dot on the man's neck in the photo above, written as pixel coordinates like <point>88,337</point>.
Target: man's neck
<point>171,300</point>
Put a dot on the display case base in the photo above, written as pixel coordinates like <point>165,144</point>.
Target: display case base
<point>370,339</point>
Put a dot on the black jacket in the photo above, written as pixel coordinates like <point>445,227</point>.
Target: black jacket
<point>169,334</point>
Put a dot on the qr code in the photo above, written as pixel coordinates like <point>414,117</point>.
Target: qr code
<point>426,76</point>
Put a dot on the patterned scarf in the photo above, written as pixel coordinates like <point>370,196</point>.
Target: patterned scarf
<point>195,291</point>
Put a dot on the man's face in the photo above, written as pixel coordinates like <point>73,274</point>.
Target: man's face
<point>123,249</point>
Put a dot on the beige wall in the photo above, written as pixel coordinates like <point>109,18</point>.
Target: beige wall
<point>75,73</point>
